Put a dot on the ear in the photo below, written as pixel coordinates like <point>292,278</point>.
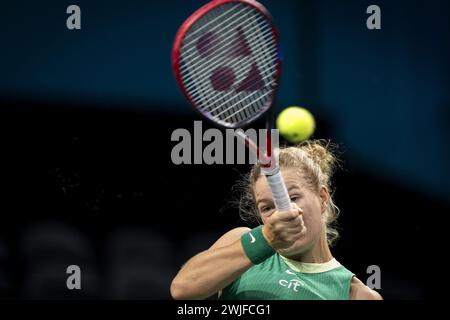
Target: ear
<point>324,198</point>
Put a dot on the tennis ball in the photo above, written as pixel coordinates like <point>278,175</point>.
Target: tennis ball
<point>296,124</point>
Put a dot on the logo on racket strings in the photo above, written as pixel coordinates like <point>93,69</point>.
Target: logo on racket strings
<point>224,77</point>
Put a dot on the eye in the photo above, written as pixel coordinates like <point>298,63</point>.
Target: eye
<point>266,209</point>
<point>294,198</point>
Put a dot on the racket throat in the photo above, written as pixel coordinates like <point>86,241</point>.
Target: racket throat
<point>266,156</point>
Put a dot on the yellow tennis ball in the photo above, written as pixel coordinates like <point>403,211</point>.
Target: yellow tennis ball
<point>296,124</point>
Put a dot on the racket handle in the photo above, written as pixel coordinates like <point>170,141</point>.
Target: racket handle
<point>279,191</point>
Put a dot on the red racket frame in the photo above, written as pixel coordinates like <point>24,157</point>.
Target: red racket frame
<point>183,30</point>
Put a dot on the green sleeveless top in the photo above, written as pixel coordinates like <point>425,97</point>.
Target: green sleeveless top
<point>279,278</point>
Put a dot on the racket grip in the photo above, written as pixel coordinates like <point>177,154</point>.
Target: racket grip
<point>279,191</point>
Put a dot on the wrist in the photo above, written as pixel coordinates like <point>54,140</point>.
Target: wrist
<point>256,246</point>
<point>265,233</point>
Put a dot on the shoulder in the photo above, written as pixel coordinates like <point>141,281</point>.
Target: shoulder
<point>359,291</point>
<point>230,237</point>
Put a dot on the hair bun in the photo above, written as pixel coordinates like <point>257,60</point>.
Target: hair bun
<point>321,152</point>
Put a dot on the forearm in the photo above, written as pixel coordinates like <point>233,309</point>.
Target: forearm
<point>210,271</point>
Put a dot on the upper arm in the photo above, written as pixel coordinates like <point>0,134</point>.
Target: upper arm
<point>198,276</point>
<point>359,291</point>
<point>230,237</point>
<point>227,239</point>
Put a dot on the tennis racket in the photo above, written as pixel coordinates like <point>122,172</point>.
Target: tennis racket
<point>226,61</point>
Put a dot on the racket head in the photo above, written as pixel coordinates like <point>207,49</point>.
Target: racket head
<point>226,60</point>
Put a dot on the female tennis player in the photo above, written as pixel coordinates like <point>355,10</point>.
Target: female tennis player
<point>288,256</point>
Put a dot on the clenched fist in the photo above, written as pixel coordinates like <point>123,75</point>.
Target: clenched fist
<point>283,228</point>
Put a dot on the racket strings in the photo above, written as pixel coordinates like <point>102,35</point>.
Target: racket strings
<point>190,51</point>
<point>225,78</point>
<point>199,84</point>
<point>218,57</point>
<point>231,81</point>
<point>214,61</point>
<point>220,43</point>
<point>223,44</point>
<point>198,27</point>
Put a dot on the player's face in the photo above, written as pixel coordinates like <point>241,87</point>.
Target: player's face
<point>311,202</point>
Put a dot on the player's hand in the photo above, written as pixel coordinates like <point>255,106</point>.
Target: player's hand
<point>283,228</point>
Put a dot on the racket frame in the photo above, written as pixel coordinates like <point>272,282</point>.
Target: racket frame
<point>176,53</point>
<point>271,169</point>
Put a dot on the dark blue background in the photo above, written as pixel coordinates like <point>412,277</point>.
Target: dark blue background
<point>384,93</point>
